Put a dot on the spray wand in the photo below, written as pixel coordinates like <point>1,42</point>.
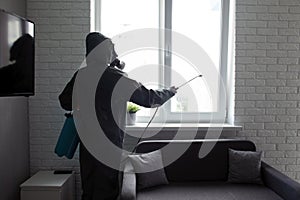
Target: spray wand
<point>198,76</point>
<point>176,88</point>
<point>142,135</point>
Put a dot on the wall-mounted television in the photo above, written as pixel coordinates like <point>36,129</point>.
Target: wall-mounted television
<point>16,55</point>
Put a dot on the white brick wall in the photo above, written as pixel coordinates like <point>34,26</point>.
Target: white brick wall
<point>61,27</point>
<point>267,77</point>
<point>267,72</point>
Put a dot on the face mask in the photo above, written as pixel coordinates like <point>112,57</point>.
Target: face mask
<point>117,63</point>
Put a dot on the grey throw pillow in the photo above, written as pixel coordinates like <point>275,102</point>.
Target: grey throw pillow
<point>147,163</point>
<point>244,167</point>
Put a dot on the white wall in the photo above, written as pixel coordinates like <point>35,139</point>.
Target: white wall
<point>61,28</point>
<point>15,6</point>
<point>267,79</point>
<point>14,145</point>
<point>14,131</point>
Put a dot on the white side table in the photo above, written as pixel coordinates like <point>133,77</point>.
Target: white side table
<point>45,185</point>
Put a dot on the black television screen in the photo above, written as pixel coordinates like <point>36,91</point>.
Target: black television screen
<point>16,55</point>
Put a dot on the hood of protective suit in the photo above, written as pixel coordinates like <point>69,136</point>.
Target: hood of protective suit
<point>99,50</point>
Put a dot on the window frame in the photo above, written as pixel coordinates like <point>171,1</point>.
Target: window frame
<point>165,22</point>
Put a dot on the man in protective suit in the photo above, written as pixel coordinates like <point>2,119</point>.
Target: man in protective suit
<point>98,180</point>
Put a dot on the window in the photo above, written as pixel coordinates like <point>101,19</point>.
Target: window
<point>203,22</point>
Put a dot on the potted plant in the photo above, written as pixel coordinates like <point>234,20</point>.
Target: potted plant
<point>131,113</point>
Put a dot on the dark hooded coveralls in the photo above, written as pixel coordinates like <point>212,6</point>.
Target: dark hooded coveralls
<point>98,180</point>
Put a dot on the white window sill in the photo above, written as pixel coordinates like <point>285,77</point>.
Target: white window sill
<point>183,126</point>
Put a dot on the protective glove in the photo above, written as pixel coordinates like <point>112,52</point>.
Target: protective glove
<point>173,89</point>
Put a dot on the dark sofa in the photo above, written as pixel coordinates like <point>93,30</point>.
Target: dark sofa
<point>206,179</point>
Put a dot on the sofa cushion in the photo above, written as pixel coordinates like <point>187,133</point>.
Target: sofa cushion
<point>151,166</point>
<point>208,191</point>
<point>244,167</point>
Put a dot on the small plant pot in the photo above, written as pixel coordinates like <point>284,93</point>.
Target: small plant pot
<point>130,118</point>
